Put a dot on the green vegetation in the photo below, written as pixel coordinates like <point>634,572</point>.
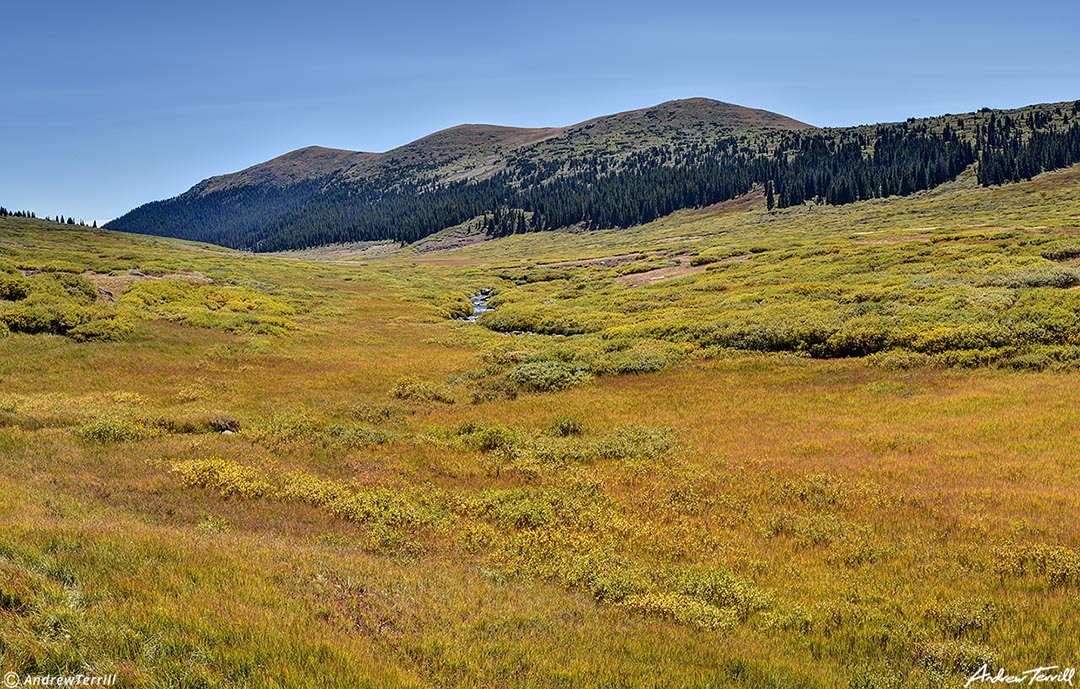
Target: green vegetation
<point>52,300</point>
<point>66,294</point>
<point>889,280</point>
<point>818,446</point>
<point>616,172</point>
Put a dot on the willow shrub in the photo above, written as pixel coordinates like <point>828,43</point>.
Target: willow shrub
<point>231,308</point>
<point>548,376</point>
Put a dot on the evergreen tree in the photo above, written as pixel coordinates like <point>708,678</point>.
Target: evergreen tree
<point>595,189</point>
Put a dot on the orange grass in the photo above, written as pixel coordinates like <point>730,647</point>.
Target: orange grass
<point>814,524</point>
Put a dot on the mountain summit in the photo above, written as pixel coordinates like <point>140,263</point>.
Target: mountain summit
<point>471,151</point>
<point>614,171</point>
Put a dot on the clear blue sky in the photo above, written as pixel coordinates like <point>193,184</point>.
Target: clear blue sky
<point>111,104</point>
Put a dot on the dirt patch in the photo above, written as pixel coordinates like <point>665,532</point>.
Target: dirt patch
<point>660,274</point>
<point>753,200</point>
<point>450,239</point>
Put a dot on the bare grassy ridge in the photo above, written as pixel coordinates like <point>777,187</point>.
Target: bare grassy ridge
<point>407,500</point>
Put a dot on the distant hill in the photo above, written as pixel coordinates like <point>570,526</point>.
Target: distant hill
<point>294,167</point>
<point>472,151</point>
<point>613,171</point>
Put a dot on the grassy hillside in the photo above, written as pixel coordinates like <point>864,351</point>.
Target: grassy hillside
<point>316,195</point>
<point>286,471</point>
<point>959,276</point>
<point>616,171</point>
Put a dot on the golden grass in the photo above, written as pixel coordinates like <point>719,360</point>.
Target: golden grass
<point>731,519</point>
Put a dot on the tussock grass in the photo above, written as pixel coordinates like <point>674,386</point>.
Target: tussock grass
<point>841,456</point>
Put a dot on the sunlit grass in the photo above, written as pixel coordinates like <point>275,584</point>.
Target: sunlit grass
<point>376,494</point>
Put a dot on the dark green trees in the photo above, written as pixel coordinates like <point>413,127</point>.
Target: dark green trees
<point>612,188</point>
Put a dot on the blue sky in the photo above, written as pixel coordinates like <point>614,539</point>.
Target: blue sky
<point>108,105</point>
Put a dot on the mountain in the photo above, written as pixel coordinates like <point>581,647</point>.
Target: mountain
<point>294,167</point>
<point>470,151</point>
<point>613,171</point>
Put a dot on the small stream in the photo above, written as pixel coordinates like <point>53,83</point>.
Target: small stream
<point>479,304</point>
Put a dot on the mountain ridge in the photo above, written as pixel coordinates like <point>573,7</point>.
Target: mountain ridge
<point>287,168</point>
<point>611,171</point>
<point>485,140</point>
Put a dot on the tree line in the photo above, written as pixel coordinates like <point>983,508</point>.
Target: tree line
<point>1012,152</point>
<point>614,190</point>
<point>59,219</point>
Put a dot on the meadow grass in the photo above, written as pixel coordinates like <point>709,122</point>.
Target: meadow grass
<point>289,472</point>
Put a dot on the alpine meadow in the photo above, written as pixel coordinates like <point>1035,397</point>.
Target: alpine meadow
<point>689,396</point>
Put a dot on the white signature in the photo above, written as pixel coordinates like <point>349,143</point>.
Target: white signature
<point>1050,673</point>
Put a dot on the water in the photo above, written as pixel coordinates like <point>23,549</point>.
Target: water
<point>479,304</point>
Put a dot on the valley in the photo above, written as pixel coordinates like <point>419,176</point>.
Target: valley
<point>832,447</point>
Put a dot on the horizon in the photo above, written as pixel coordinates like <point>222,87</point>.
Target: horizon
<point>165,98</point>
<point>103,221</point>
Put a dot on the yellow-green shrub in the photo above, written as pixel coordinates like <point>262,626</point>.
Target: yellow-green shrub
<point>1061,251</point>
<point>310,489</point>
<point>112,430</point>
<point>547,376</point>
<point>379,505</point>
<point>103,330</point>
<point>75,287</point>
<point>13,287</point>
<point>607,577</point>
<point>545,320</point>
<point>62,266</point>
<point>565,425</point>
<point>420,391</point>
<point>228,308</point>
<point>723,590</point>
<point>282,430</point>
<point>635,444</point>
<point>490,437</point>
<point>226,477</point>
<point>681,608</point>
<point>28,319</point>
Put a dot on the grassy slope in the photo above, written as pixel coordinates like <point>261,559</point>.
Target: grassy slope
<point>760,520</point>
